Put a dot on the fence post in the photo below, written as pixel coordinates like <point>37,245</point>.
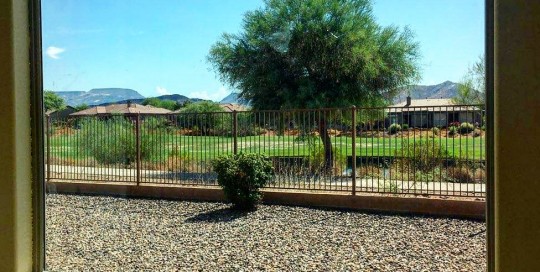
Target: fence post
<point>48,133</point>
<point>235,132</point>
<point>138,147</point>
<point>353,165</point>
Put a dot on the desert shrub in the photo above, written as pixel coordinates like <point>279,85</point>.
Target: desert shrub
<point>179,160</point>
<point>452,131</point>
<point>454,124</point>
<point>405,127</point>
<point>424,154</point>
<point>155,123</point>
<point>393,129</point>
<point>205,118</point>
<point>317,159</point>
<point>434,174</point>
<point>249,131</point>
<point>466,128</point>
<point>391,187</point>
<point>112,141</point>
<point>460,175</point>
<point>436,131</point>
<point>241,176</point>
<point>306,138</point>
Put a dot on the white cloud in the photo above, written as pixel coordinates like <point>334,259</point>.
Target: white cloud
<point>221,93</point>
<point>162,91</point>
<point>54,52</point>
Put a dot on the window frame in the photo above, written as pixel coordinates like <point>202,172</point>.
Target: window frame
<point>38,157</point>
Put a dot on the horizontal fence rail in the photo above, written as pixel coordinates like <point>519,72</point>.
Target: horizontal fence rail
<point>436,150</point>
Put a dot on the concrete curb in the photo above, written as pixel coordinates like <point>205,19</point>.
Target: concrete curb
<point>455,208</point>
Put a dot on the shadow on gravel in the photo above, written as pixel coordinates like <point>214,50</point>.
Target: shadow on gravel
<point>216,216</point>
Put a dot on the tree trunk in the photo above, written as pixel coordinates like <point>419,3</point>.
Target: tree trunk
<point>327,143</point>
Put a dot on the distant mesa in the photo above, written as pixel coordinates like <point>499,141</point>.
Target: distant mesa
<point>99,96</point>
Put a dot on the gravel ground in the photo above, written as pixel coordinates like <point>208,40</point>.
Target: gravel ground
<point>89,233</point>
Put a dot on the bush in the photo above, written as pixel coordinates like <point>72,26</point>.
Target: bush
<point>205,118</point>
<point>452,131</point>
<point>155,123</point>
<point>393,129</point>
<point>241,176</point>
<point>405,127</point>
<point>317,159</point>
<point>436,131</point>
<point>460,175</point>
<point>112,141</point>
<point>454,124</point>
<point>424,154</point>
<point>466,128</point>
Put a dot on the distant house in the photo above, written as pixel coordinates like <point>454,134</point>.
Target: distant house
<point>63,114</point>
<point>426,113</point>
<point>129,108</point>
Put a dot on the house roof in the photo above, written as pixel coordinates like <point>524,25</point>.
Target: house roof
<point>121,109</point>
<point>67,108</point>
<point>431,105</point>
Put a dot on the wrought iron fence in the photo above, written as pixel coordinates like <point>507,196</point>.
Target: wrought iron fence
<point>437,150</point>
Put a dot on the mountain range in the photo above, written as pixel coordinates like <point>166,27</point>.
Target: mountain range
<point>174,97</point>
<point>99,96</point>
<point>106,96</point>
<point>447,89</point>
<point>233,98</point>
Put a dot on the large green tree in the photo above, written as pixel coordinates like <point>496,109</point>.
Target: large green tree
<point>52,101</point>
<point>204,115</point>
<point>316,54</point>
<point>472,88</point>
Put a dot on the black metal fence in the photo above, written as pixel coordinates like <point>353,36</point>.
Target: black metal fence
<point>438,150</point>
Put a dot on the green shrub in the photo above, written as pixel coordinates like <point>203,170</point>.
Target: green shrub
<point>112,141</point>
<point>424,154</point>
<point>432,175</point>
<point>405,127</point>
<point>452,131</point>
<point>460,175</point>
<point>306,138</point>
<point>436,131</point>
<point>155,123</point>
<point>241,176</point>
<point>466,128</point>
<point>393,129</point>
<point>317,159</point>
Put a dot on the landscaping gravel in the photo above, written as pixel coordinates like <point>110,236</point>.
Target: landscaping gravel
<point>90,233</point>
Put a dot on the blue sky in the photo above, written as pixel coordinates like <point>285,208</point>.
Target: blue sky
<point>160,46</point>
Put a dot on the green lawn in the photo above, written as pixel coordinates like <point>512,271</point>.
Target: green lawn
<point>208,147</point>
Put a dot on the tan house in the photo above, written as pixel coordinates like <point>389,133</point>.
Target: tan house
<point>432,113</point>
<point>129,108</point>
